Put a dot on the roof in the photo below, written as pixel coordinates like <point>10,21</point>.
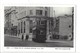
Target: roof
<point>64,16</point>
<point>45,17</point>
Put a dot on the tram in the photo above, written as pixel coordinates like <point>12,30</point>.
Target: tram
<point>39,30</point>
<point>38,26</point>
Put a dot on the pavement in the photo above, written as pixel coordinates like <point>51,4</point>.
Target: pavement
<point>62,41</point>
<point>14,41</point>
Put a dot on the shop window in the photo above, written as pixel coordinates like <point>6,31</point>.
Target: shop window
<point>31,25</point>
<point>21,27</point>
<point>38,12</point>
<point>30,30</point>
<point>24,26</point>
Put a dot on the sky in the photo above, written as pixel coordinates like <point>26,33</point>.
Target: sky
<point>62,10</point>
<point>59,11</point>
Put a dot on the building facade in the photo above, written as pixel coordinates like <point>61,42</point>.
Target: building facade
<point>27,17</point>
<point>24,20</point>
<point>9,22</point>
<point>65,27</point>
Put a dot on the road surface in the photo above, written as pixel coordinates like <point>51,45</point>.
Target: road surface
<point>16,42</point>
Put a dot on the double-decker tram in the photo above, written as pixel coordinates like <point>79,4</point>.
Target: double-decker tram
<point>39,30</point>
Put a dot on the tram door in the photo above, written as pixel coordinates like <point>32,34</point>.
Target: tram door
<point>40,31</point>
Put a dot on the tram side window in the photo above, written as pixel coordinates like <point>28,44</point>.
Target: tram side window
<point>41,32</point>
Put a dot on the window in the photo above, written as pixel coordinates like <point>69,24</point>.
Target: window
<point>21,27</point>
<point>69,26</point>
<point>46,7</point>
<point>31,13</point>
<point>38,12</point>
<point>42,32</point>
<point>45,13</point>
<point>30,30</point>
<point>31,25</point>
<point>24,26</point>
<point>42,22</point>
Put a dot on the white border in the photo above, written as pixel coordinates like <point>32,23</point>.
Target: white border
<point>55,3</point>
<point>38,49</point>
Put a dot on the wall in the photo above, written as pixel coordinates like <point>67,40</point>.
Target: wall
<point>65,25</point>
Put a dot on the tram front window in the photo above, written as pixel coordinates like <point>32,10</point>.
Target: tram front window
<point>41,32</point>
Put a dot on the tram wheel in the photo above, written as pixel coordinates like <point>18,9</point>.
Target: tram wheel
<point>41,41</point>
<point>34,39</point>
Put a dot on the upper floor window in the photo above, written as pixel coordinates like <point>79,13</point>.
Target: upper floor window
<point>45,13</point>
<point>31,13</point>
<point>42,22</point>
<point>46,7</point>
<point>69,26</point>
<point>38,12</point>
